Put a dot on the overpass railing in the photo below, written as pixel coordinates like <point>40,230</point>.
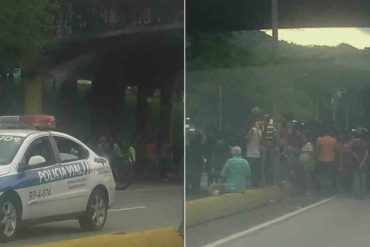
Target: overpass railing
<point>79,17</point>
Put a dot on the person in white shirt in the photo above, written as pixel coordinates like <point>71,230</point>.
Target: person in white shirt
<point>253,153</point>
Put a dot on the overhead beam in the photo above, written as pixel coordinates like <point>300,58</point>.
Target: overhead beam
<point>233,15</point>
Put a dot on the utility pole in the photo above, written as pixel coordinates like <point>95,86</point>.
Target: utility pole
<point>318,105</point>
<point>276,92</point>
<point>347,115</point>
<point>220,107</point>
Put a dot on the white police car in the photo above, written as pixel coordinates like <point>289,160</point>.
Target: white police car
<point>48,176</point>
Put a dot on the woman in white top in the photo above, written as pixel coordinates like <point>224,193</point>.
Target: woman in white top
<point>307,161</point>
<point>253,154</point>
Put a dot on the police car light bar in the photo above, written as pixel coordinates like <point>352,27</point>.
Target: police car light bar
<point>28,121</point>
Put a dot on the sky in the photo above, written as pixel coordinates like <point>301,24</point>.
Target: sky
<point>357,37</point>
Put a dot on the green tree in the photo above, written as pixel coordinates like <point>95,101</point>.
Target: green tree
<point>214,50</point>
<point>26,27</point>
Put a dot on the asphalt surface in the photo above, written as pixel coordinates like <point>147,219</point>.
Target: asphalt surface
<point>337,223</point>
<point>139,207</point>
<point>214,230</point>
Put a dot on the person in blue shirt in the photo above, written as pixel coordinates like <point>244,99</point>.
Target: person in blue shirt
<point>236,172</point>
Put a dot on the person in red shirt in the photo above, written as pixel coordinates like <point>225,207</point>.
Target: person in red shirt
<point>359,156</point>
<point>150,159</point>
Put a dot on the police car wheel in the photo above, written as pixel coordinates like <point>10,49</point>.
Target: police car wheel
<point>96,212</point>
<point>8,219</point>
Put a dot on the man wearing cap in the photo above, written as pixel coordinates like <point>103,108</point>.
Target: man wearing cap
<point>236,172</point>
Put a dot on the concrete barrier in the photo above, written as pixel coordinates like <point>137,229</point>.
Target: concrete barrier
<point>166,237</point>
<point>206,209</point>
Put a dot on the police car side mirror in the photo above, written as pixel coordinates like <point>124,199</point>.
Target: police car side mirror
<point>36,161</point>
<point>99,160</point>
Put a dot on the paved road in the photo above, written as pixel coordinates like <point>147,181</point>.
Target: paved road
<point>214,230</point>
<point>140,207</point>
<point>341,222</point>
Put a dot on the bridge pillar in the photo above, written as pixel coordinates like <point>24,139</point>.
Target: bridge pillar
<point>33,95</point>
<point>142,109</point>
<point>166,113</point>
<point>68,105</point>
<point>118,98</point>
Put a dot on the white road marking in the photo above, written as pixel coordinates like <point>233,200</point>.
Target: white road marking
<point>151,189</point>
<point>125,209</point>
<point>267,224</point>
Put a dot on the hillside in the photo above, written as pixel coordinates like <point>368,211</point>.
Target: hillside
<point>259,45</point>
<point>308,78</point>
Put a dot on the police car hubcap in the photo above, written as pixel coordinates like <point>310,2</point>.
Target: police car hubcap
<point>99,210</point>
<point>8,219</point>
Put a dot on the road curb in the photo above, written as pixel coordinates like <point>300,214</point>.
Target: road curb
<point>165,237</point>
<point>206,209</point>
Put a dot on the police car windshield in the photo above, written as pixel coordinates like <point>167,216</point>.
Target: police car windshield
<point>9,146</point>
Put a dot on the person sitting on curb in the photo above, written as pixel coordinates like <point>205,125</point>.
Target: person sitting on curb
<point>236,173</point>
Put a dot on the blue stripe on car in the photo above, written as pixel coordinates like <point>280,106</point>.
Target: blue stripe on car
<point>40,176</point>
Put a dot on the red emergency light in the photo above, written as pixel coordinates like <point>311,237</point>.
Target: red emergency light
<point>28,121</point>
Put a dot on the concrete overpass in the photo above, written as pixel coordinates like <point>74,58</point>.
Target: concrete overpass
<point>232,15</point>
<point>118,43</point>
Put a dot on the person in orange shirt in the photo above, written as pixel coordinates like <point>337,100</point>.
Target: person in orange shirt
<point>326,148</point>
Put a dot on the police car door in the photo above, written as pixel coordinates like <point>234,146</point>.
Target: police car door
<point>41,195</point>
<point>73,158</point>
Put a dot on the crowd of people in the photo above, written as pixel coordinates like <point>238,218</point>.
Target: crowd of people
<point>332,162</point>
<point>121,156</point>
<point>318,159</point>
<point>154,162</point>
